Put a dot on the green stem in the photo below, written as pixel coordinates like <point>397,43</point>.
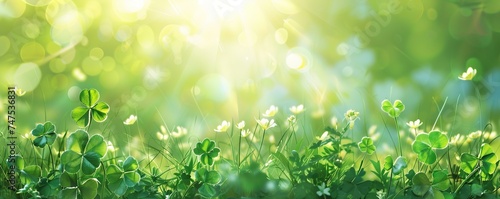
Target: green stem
<point>261,143</point>
<point>239,152</point>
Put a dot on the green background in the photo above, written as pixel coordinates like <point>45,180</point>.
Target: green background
<point>196,63</point>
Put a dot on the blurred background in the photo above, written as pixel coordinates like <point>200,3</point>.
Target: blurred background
<point>195,63</point>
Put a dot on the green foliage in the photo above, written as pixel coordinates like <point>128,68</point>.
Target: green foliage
<point>92,109</point>
<point>327,168</point>
<point>425,144</point>
<point>45,134</point>
<point>486,160</point>
<point>207,151</point>
<point>83,153</point>
<point>391,109</point>
<point>77,188</point>
<point>366,145</point>
<point>121,178</point>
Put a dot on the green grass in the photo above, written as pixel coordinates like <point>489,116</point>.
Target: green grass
<point>265,160</point>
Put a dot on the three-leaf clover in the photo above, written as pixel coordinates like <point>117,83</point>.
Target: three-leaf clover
<point>422,185</point>
<point>92,109</point>
<point>83,153</point>
<point>207,151</point>
<point>393,110</point>
<point>487,160</point>
<point>120,179</point>
<point>366,145</point>
<point>425,144</point>
<point>45,133</point>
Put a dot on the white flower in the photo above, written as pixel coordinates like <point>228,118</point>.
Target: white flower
<point>161,136</point>
<point>351,115</point>
<point>180,132</point>
<point>291,120</point>
<point>111,147</point>
<point>265,124</point>
<point>223,127</point>
<point>245,133</point>
<point>474,135</point>
<point>414,124</point>
<point>469,74</point>
<point>297,109</point>
<point>271,111</point>
<point>240,125</point>
<point>130,120</point>
<point>322,190</point>
<point>323,136</point>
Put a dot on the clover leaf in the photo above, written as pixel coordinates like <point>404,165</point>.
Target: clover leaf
<point>92,109</point>
<point>209,177</point>
<point>28,174</point>
<point>487,158</point>
<point>422,185</point>
<point>83,153</point>
<point>399,165</point>
<point>45,134</point>
<point>121,178</point>
<point>393,110</point>
<point>366,145</point>
<point>425,144</point>
<point>207,151</point>
<point>71,189</point>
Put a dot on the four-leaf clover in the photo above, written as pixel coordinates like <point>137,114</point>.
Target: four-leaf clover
<point>207,151</point>
<point>92,109</point>
<point>120,179</point>
<point>83,153</point>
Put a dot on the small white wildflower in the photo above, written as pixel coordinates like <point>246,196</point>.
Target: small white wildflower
<point>351,115</point>
<point>297,109</point>
<point>271,111</point>
<point>291,120</point>
<point>223,127</point>
<point>323,190</point>
<point>414,124</point>
<point>180,132</point>
<point>241,125</point>
<point>130,120</point>
<point>323,136</point>
<point>474,135</point>
<point>245,133</point>
<point>265,124</point>
<point>469,74</point>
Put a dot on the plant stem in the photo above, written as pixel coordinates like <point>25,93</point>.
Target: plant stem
<point>261,143</point>
<point>239,152</point>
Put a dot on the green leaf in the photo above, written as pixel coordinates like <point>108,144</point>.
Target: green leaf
<point>89,97</point>
<point>130,164</point>
<point>68,180</point>
<point>393,110</point>
<point>399,165</point>
<point>366,145</point>
<point>69,192</point>
<point>440,180</point>
<point>77,141</point>
<point>488,159</point>
<point>31,173</point>
<point>81,116</point>
<point>468,162</point>
<point>88,189</point>
<point>388,162</point>
<point>90,162</point>
<point>71,161</point>
<point>45,134</point>
<point>97,145</point>
<point>131,178</point>
<point>214,153</point>
<point>438,140</point>
<point>421,184</point>
<point>424,152</point>
<point>100,112</point>
<point>207,145</point>
<point>208,191</point>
